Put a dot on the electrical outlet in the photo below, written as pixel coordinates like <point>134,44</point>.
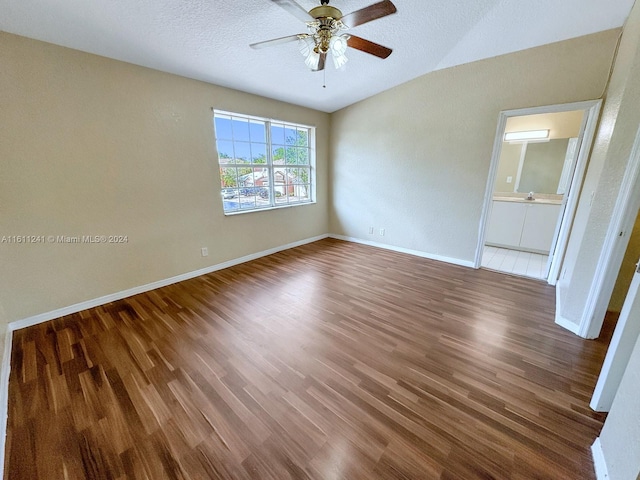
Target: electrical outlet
<point>509,179</point>
<point>370,230</point>
<point>382,232</point>
<point>205,251</point>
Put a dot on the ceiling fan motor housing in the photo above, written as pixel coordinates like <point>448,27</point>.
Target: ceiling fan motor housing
<point>325,11</point>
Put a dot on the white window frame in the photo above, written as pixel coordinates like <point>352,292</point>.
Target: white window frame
<point>271,168</point>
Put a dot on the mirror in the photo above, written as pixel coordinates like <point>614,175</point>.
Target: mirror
<point>539,167</point>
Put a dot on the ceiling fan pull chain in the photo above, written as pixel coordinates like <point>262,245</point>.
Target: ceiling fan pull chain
<point>324,78</point>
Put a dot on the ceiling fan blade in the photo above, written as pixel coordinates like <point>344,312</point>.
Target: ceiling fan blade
<point>368,46</point>
<point>367,14</point>
<point>294,9</point>
<point>277,41</point>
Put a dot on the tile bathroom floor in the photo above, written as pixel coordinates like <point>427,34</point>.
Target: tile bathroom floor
<point>526,264</point>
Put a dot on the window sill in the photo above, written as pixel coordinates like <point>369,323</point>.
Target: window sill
<point>257,210</point>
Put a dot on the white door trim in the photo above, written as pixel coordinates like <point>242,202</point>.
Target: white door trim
<point>588,133</point>
<point>620,349</point>
<point>615,244</point>
<point>592,113</point>
<point>488,192</point>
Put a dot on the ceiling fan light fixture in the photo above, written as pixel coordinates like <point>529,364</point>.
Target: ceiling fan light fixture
<point>309,50</point>
<point>313,61</point>
<point>339,61</point>
<point>325,25</point>
<point>338,50</point>
<point>306,46</point>
<point>339,44</point>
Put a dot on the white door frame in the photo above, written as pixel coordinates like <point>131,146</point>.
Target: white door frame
<point>620,348</point>
<point>587,133</point>
<point>615,245</point>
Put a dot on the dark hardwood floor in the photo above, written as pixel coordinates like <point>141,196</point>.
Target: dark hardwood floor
<point>328,361</point>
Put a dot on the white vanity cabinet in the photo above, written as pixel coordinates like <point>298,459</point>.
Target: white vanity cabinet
<point>523,225</point>
<point>505,224</point>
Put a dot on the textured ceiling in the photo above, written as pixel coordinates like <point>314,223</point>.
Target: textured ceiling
<point>208,39</point>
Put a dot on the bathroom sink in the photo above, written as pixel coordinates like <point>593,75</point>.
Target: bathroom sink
<point>549,201</point>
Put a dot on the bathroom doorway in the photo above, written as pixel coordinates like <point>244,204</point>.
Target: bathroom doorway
<point>536,170</point>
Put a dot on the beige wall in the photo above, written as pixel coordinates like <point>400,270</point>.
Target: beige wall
<point>415,159</point>
<point>612,148</point>
<point>628,267</point>
<point>92,146</point>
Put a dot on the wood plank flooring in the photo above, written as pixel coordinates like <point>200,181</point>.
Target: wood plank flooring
<point>328,361</point>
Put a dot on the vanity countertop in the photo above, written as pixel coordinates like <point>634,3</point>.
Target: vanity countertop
<point>547,201</point>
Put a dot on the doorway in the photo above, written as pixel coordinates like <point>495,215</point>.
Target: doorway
<point>537,168</point>
<point>618,243</point>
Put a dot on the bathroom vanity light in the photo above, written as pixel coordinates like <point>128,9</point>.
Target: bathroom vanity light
<point>525,136</point>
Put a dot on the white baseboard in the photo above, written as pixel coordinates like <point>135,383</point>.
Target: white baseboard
<point>599,462</point>
<point>78,307</point>
<point>112,297</point>
<point>5,368</point>
<point>417,253</point>
<point>562,321</point>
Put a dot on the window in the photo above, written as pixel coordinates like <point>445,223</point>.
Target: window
<point>263,163</point>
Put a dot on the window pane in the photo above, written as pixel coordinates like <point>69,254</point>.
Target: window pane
<point>248,202</point>
<point>302,156</point>
<point>230,200</point>
<point>260,168</point>
<point>228,177</point>
<point>304,175</point>
<point>263,199</point>
<point>259,153</point>
<point>303,192</point>
<point>277,134</point>
<point>231,205</point>
<point>278,155</point>
<point>240,129</point>
<point>246,179</point>
<point>290,135</point>
<point>280,175</point>
<point>290,155</point>
<point>260,177</point>
<point>244,175</point>
<point>303,137</point>
<point>223,127</point>
<point>242,152</point>
<point>298,175</point>
<point>258,131</point>
<point>225,151</point>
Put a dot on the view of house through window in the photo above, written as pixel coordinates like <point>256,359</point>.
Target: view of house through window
<point>263,163</point>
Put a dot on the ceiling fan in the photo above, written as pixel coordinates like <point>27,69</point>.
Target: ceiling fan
<point>325,25</point>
